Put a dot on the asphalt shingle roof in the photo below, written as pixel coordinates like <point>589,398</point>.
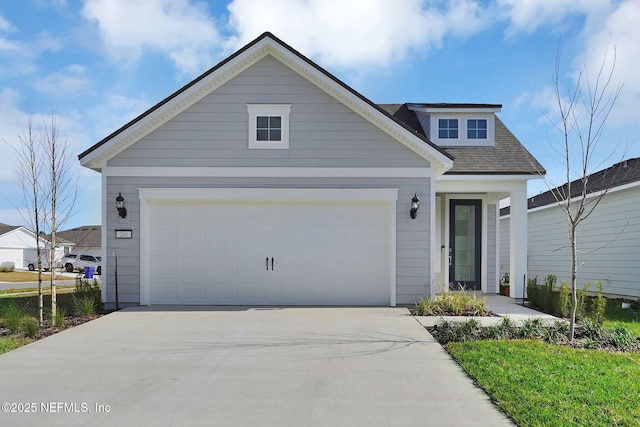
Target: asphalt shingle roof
<point>5,228</point>
<point>86,236</point>
<point>507,156</point>
<point>625,172</point>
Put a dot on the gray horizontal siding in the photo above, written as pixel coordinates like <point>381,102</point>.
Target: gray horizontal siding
<point>412,239</point>
<point>214,132</point>
<point>608,242</point>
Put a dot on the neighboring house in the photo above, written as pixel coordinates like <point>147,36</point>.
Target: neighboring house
<point>81,240</point>
<point>269,181</point>
<point>608,241</point>
<point>18,246</point>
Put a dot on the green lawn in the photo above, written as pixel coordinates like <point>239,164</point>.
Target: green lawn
<point>539,384</point>
<point>629,317</point>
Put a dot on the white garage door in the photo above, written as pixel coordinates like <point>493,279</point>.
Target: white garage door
<point>261,253</point>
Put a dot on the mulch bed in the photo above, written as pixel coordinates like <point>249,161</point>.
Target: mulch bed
<point>49,329</point>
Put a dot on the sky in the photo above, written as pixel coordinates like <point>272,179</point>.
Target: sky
<point>93,65</point>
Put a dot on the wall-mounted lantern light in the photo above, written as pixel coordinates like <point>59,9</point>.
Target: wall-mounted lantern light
<point>122,211</point>
<point>415,205</point>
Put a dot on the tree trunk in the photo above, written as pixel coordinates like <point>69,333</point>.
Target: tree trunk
<point>574,279</point>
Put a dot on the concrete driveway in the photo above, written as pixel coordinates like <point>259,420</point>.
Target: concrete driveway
<point>242,367</point>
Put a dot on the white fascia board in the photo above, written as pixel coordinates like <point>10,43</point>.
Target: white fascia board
<point>481,183</point>
<point>267,172</point>
<point>436,110</point>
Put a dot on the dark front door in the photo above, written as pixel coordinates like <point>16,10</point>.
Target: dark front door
<point>465,221</point>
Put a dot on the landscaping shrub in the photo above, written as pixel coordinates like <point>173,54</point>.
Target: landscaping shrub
<point>7,268</point>
<point>87,291</point>
<point>13,316</point>
<point>454,303</point>
<point>531,329</point>
<point>59,318</point>
<point>556,333</point>
<point>459,331</point>
<point>599,306</point>
<point>581,302</point>
<point>564,300</point>
<point>30,326</point>
<point>503,330</point>
<point>84,306</point>
<point>532,292</point>
<point>558,301</point>
<point>622,338</point>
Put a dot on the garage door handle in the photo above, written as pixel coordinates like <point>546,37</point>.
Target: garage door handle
<point>271,263</point>
<point>267,263</point>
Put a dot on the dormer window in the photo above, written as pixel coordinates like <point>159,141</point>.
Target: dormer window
<point>448,128</point>
<point>477,129</point>
<point>458,125</point>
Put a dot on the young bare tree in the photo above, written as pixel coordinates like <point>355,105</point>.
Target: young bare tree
<point>29,169</point>
<point>584,111</point>
<point>62,186</point>
<point>49,185</point>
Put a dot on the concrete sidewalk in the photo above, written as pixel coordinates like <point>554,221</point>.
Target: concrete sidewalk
<point>240,366</point>
<point>501,306</point>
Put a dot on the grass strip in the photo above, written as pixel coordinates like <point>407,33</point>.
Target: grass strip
<point>9,343</point>
<point>539,384</point>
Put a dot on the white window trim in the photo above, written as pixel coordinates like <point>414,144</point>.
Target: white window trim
<point>280,110</point>
<point>463,140</point>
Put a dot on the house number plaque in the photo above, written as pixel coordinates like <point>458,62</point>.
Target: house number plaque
<point>123,234</point>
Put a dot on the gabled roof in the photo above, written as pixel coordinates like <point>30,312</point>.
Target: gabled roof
<point>266,44</point>
<point>622,173</point>
<point>85,236</point>
<point>507,157</point>
<point>5,228</point>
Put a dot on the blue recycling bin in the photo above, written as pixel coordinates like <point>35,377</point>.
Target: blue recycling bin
<point>88,272</point>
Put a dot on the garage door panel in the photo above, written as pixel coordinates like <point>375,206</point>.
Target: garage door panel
<point>283,290</point>
<point>217,252</point>
<point>253,290</point>
<point>223,266</point>
<point>194,290</point>
<point>163,265</point>
<point>225,290</point>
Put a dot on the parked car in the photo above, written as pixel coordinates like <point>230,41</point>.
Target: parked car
<point>74,262</point>
<point>31,259</point>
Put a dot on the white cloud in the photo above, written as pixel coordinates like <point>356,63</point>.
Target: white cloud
<point>113,113</point>
<point>529,15</point>
<point>5,25</point>
<point>617,30</point>
<point>176,28</point>
<point>71,79</point>
<point>355,33</point>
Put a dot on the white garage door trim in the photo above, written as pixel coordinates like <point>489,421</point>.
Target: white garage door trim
<point>149,195</point>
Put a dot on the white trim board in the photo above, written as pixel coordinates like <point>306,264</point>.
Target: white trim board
<point>266,172</point>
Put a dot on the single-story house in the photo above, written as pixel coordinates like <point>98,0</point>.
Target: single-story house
<point>267,180</point>
<point>86,240</point>
<point>608,240</point>
<point>18,247</point>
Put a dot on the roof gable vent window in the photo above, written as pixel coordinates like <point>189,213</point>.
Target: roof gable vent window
<point>268,126</point>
